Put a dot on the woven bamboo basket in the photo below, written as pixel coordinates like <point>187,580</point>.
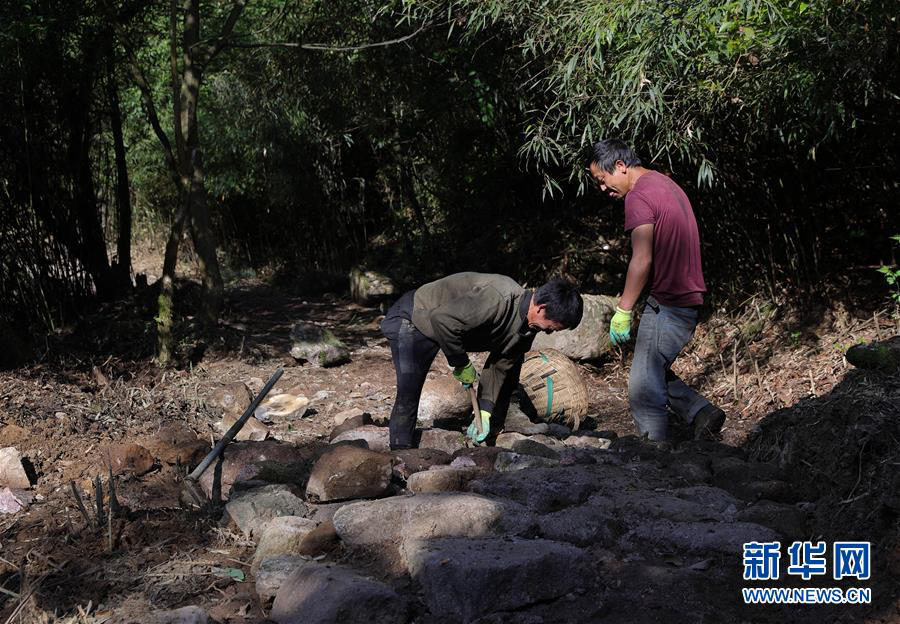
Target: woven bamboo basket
<point>553,384</point>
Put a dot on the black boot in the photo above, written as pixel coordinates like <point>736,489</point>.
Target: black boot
<point>708,422</point>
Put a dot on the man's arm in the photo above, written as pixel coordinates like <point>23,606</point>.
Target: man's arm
<point>493,376</point>
<point>639,266</point>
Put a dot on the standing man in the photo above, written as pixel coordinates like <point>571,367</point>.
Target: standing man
<point>470,312</point>
<point>665,250</point>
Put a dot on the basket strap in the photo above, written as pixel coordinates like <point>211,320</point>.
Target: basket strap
<point>549,381</point>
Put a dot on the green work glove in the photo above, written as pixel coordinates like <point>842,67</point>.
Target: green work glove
<point>472,431</point>
<point>620,326</point>
<point>465,374</point>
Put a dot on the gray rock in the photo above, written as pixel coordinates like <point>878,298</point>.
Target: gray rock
<point>572,455</point>
<point>557,430</point>
<point>327,594</point>
<point>252,429</point>
<point>636,506</point>
<point>321,540</point>
<point>518,422</point>
<point>712,497</point>
<point>482,456</point>
<point>773,489</point>
<point>13,501</point>
<point>273,572</point>
<point>590,339</point>
<point>346,472</point>
<point>127,458</point>
<point>282,407</point>
<point>233,397</point>
<point>184,615</point>
<point>241,461</point>
<point>509,462</point>
<point>353,412</point>
<point>464,461</point>
<point>384,523</point>
<point>726,538</point>
<point>583,525</point>
<point>589,442</point>
<point>442,479</point>
<point>370,286</point>
<point>12,472</point>
<point>548,489</point>
<point>282,535</point>
<point>786,519</point>
<point>694,470</point>
<point>317,345</point>
<point>549,441</point>
<point>469,578</point>
<point>411,461</point>
<point>442,440</point>
<point>731,470</point>
<point>443,398</point>
<point>353,422</point>
<point>508,438</point>
<point>530,447</point>
<point>252,509</point>
<point>377,438</point>
<point>176,444</point>
<point>322,512</point>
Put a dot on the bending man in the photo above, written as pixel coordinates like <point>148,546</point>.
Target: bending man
<point>665,251</point>
<point>468,312</point>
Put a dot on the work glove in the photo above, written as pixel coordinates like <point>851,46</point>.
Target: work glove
<point>620,327</point>
<point>472,431</point>
<point>465,374</point>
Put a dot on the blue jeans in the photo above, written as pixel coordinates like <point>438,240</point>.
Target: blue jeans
<point>652,386</point>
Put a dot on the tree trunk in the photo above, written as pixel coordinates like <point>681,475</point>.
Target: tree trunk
<point>165,318</point>
<point>186,163</point>
<point>201,229</point>
<point>204,243</point>
<point>408,187</point>
<point>91,245</point>
<point>122,267</point>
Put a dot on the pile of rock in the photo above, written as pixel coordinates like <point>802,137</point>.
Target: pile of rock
<point>15,482</point>
<point>412,509</point>
<point>465,533</point>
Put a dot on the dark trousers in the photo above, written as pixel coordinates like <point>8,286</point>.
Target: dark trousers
<point>413,353</point>
<point>652,386</point>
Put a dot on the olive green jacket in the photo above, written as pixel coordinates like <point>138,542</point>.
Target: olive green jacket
<point>467,312</point>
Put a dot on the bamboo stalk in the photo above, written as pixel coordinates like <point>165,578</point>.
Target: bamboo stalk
<point>113,500</point>
<point>734,369</point>
<point>98,494</point>
<point>80,503</point>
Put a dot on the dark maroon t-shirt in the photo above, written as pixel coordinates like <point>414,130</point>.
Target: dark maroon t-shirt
<point>677,273</point>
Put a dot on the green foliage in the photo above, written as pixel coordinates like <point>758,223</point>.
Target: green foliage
<point>704,84</point>
<point>892,276</point>
<point>462,147</point>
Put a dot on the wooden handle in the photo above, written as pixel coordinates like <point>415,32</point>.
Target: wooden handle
<point>235,428</point>
<point>475,409</point>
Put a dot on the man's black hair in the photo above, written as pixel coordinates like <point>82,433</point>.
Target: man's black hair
<point>608,151</point>
<point>564,304</point>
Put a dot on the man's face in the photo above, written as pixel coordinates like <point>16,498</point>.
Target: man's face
<point>540,322</point>
<point>614,183</point>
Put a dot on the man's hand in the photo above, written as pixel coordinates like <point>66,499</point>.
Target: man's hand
<point>472,431</point>
<point>465,375</point>
<point>620,327</point>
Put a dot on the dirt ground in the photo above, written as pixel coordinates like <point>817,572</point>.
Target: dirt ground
<point>779,373</point>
